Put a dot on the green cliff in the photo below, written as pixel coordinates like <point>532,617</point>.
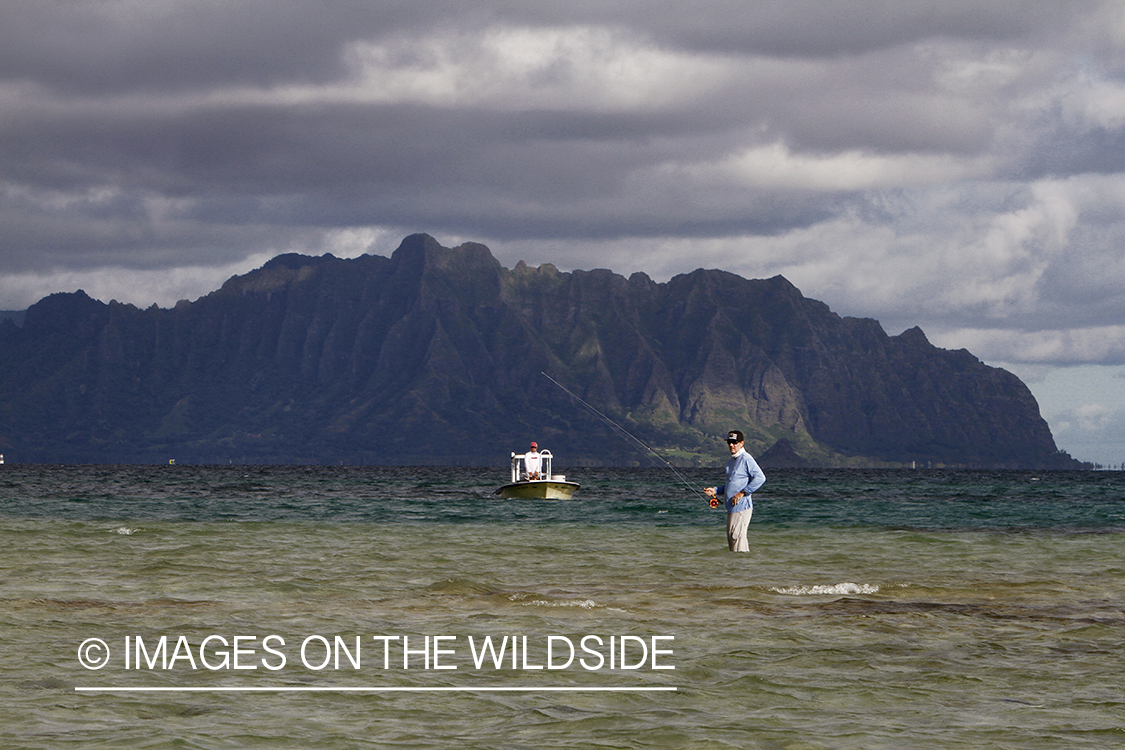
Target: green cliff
<point>436,356</point>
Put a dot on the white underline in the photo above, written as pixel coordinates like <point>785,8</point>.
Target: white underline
<point>314,689</point>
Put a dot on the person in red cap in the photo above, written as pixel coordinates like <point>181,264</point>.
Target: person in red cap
<point>531,462</point>
<point>743,477</point>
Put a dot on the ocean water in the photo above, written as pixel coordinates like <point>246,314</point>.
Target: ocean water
<point>297,607</point>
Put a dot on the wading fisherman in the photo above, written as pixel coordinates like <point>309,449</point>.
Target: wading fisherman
<point>744,476</point>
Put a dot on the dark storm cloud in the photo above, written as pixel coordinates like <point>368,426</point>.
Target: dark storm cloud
<point>97,47</point>
<point>808,28</point>
<point>88,46</point>
<point>951,148</point>
<point>506,174</point>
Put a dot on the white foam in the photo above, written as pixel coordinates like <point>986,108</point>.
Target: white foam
<point>833,590</point>
<point>126,531</point>
<point>583,603</point>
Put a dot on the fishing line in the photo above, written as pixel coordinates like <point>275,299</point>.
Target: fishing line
<point>690,485</point>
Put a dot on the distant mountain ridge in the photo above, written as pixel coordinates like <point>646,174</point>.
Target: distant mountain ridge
<point>436,356</point>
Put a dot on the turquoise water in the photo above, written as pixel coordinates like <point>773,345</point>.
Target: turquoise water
<point>877,609</point>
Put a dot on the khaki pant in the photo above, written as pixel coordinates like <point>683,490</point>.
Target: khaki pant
<point>737,524</point>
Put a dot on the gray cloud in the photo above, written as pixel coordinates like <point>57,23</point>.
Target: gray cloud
<point>956,165</point>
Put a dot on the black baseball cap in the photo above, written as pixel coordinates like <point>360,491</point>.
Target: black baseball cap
<point>734,436</point>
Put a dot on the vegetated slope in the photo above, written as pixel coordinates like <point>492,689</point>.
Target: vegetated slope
<point>436,355</point>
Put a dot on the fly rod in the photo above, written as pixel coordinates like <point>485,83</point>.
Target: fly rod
<point>622,431</point>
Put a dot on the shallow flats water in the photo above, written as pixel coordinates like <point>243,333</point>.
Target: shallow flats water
<point>306,607</point>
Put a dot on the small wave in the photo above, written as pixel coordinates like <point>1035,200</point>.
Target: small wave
<point>582,603</point>
<point>46,683</point>
<point>461,586</point>
<point>125,531</point>
<point>833,590</point>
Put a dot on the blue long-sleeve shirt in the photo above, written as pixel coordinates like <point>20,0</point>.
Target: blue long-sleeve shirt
<point>743,475</point>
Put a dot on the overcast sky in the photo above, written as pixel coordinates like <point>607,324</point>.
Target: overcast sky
<point>957,165</point>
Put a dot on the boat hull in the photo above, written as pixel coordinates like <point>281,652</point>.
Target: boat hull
<point>538,489</point>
